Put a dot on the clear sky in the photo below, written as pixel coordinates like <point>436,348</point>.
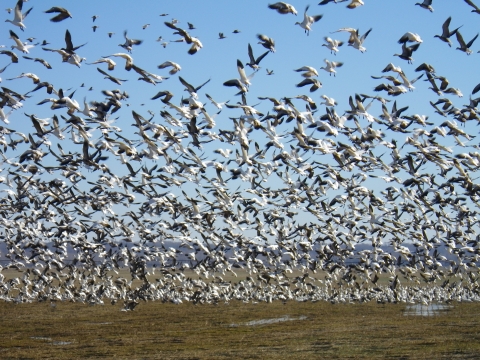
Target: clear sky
<point>388,19</point>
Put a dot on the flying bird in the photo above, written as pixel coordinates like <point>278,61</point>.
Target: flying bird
<point>426,4</point>
<point>129,43</point>
<point>446,33</point>
<point>175,67</point>
<point>266,42</point>
<point>18,16</point>
<point>283,8</point>
<point>62,13</point>
<point>308,21</point>
<point>476,9</point>
<point>465,47</point>
<point>253,63</point>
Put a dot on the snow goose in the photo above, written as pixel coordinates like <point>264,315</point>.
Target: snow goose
<point>192,89</point>
<point>128,44</point>
<point>128,59</point>
<point>219,106</point>
<point>243,77</point>
<point>331,66</point>
<point>238,84</point>
<point>426,4</point>
<point>308,71</point>
<point>446,33</point>
<point>308,21</point>
<point>426,67</point>
<point>410,37</point>
<point>41,61</point>
<point>109,77</point>
<point>32,76</point>
<point>167,95</point>
<point>62,13</point>
<point>407,52</point>
<point>325,2</point>
<point>391,67</point>
<point>328,101</point>
<point>315,84</point>
<point>409,83</point>
<point>332,45</point>
<point>193,41</point>
<point>355,3</point>
<point>465,47</point>
<point>356,41</point>
<point>110,62</point>
<point>476,9</point>
<point>266,42</point>
<point>175,67</point>
<point>254,62</point>
<point>23,47</point>
<point>18,16</point>
<point>283,8</point>
<point>13,56</point>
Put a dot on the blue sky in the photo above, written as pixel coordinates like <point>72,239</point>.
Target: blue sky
<point>389,20</point>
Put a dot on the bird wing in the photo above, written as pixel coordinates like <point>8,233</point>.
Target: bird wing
<point>471,41</point>
<point>469,2</point>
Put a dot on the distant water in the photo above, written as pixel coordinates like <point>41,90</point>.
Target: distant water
<point>269,321</point>
<point>426,310</point>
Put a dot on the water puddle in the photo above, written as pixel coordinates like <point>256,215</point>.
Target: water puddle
<point>57,343</point>
<point>41,338</point>
<point>426,310</point>
<point>269,321</point>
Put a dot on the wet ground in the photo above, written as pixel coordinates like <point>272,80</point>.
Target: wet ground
<point>426,310</point>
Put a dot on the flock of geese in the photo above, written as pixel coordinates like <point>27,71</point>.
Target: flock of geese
<point>305,202</point>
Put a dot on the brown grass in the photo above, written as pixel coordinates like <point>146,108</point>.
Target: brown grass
<point>166,331</point>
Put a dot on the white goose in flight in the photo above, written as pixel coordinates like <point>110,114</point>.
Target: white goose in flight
<point>331,65</point>
<point>332,45</point>
<point>355,40</point>
<point>128,59</point>
<point>283,8</point>
<point>308,21</point>
<point>18,16</point>
<point>23,47</point>
<point>175,67</point>
<point>308,71</point>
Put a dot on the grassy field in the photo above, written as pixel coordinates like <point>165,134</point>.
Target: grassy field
<point>232,331</point>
